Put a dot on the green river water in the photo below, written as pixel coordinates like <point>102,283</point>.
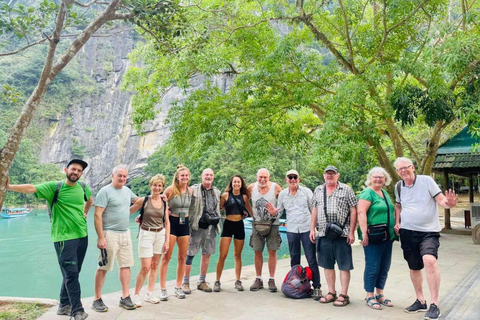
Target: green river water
<point>28,265</point>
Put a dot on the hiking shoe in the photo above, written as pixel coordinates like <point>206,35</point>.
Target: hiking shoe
<point>80,315</point>
<point>317,294</point>
<point>417,306</point>
<point>238,285</point>
<point>163,295</point>
<point>66,310</point>
<point>99,306</point>
<point>216,286</point>
<point>203,286</point>
<point>127,303</point>
<point>151,298</point>
<point>186,288</point>
<point>433,312</point>
<point>179,293</point>
<point>258,284</point>
<point>137,301</point>
<point>271,285</point>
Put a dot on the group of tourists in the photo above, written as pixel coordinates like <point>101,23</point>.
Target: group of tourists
<point>323,222</point>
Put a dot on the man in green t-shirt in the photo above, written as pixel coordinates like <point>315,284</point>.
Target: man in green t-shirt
<point>69,230</point>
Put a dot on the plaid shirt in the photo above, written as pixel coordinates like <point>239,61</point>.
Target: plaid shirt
<point>338,207</point>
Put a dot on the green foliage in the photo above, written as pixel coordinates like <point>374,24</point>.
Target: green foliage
<point>304,81</point>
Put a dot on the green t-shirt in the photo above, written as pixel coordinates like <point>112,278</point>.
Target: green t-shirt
<point>377,213</point>
<point>68,221</point>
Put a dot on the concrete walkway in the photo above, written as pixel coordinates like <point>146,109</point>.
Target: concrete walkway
<point>459,261</point>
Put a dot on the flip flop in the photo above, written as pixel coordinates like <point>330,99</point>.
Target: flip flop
<point>372,302</point>
<point>385,301</point>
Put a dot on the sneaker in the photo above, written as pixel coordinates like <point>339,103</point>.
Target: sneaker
<point>433,312</point>
<point>66,310</point>
<point>203,286</point>
<point>151,298</point>
<point>137,301</point>
<point>99,306</point>
<point>271,285</point>
<point>127,303</point>
<point>258,284</point>
<point>186,288</point>
<point>417,306</point>
<point>80,315</point>
<point>238,285</point>
<point>163,295</point>
<point>179,293</point>
<point>317,294</point>
<point>216,286</point>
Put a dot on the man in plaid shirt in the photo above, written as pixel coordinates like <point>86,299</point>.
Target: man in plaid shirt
<point>340,207</point>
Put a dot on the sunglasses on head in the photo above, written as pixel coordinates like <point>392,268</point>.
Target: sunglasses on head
<point>292,177</point>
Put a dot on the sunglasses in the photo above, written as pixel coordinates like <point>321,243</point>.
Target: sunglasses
<point>294,177</point>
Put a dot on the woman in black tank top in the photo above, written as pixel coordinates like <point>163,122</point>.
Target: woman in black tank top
<point>236,202</point>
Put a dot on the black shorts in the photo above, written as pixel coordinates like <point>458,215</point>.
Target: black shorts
<point>177,229</point>
<point>416,244</point>
<point>233,228</point>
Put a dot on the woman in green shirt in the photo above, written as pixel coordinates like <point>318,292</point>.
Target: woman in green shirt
<point>376,208</point>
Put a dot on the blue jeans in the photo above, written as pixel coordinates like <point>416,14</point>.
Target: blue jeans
<point>294,240</point>
<point>378,258</point>
<point>70,254</point>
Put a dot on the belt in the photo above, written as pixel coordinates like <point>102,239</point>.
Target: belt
<point>151,229</point>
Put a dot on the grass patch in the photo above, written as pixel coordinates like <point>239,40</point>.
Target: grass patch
<point>21,311</point>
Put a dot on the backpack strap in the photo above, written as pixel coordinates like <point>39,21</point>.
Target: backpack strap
<point>399,189</point>
<point>83,185</point>
<point>141,214</point>
<point>164,211</point>
<point>54,199</point>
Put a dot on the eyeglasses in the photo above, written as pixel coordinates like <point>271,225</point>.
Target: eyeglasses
<point>294,177</point>
<point>378,177</point>
<point>404,168</point>
<point>330,173</point>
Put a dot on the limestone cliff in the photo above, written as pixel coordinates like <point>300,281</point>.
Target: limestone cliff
<point>99,128</point>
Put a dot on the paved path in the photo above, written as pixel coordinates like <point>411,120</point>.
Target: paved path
<point>459,261</point>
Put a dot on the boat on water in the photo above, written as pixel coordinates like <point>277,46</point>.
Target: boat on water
<point>248,222</point>
<point>8,213</point>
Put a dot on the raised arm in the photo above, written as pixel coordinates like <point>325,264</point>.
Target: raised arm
<point>23,188</point>
<point>449,200</point>
<point>137,205</point>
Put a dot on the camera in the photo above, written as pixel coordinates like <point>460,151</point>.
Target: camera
<point>102,262</point>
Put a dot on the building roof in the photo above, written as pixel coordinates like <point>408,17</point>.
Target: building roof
<point>457,156</point>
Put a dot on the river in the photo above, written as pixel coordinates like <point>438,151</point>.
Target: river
<point>29,268</point>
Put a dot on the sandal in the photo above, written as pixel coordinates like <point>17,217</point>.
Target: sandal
<point>342,303</point>
<point>372,302</point>
<point>326,299</point>
<point>386,302</point>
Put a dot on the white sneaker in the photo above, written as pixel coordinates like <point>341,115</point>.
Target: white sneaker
<point>136,300</point>
<point>151,298</point>
<point>179,293</point>
<point>163,295</point>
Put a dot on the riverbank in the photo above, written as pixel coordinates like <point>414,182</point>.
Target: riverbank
<point>459,262</point>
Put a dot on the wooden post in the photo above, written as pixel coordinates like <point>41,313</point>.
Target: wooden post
<point>448,225</point>
<point>470,187</point>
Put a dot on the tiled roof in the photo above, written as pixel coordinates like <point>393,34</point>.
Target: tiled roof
<point>457,160</point>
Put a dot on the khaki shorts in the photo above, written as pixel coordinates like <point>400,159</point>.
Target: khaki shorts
<point>273,239</point>
<point>202,238</point>
<point>150,243</point>
<point>119,247</point>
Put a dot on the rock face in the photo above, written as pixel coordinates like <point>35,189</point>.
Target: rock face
<point>99,129</point>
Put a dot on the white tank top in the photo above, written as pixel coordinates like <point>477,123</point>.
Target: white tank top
<point>260,200</point>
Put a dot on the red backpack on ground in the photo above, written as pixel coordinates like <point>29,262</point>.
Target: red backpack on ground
<point>296,284</point>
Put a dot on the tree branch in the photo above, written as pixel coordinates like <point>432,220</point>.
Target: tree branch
<point>24,48</point>
<point>469,68</point>
<point>347,35</point>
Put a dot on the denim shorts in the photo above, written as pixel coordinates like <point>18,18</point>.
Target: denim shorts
<point>331,251</point>
<point>416,244</point>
